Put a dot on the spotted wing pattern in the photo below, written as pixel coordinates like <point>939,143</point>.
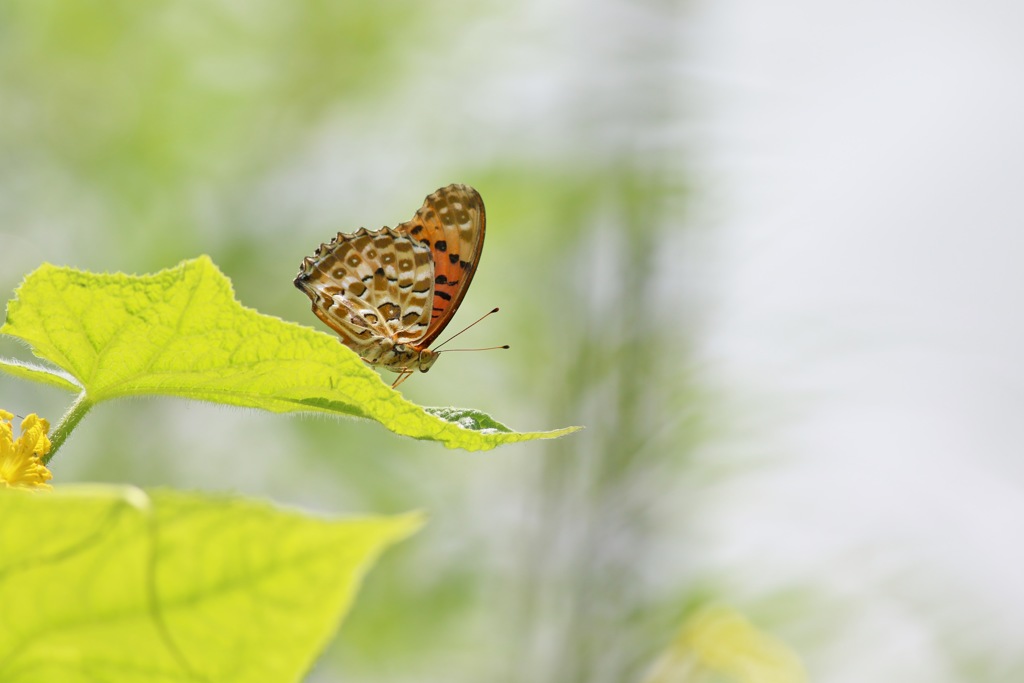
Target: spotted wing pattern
<point>389,293</point>
<point>451,223</point>
<point>371,285</point>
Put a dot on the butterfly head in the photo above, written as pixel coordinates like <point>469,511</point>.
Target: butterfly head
<point>426,359</point>
<point>400,357</point>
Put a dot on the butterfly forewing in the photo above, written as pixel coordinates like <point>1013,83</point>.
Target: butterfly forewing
<point>451,223</point>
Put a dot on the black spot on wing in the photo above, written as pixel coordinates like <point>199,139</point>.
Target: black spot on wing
<point>390,311</point>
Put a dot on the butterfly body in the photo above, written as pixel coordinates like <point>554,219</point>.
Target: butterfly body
<point>389,293</point>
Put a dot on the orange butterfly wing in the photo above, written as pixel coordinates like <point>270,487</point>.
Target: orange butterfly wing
<point>451,223</point>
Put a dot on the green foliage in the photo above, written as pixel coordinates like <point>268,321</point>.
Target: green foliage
<point>145,100</point>
<point>113,583</point>
<point>180,332</point>
<point>110,583</point>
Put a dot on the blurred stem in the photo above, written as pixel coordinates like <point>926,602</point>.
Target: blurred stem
<point>71,418</point>
<point>590,611</point>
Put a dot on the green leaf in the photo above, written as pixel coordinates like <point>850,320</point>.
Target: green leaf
<point>180,332</point>
<point>38,373</point>
<point>470,419</point>
<point>109,583</point>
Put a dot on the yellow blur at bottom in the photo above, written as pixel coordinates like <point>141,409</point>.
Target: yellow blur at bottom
<point>719,644</point>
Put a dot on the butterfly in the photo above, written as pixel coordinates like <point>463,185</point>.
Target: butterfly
<point>389,293</point>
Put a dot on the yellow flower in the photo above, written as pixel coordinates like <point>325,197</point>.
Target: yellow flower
<point>21,464</point>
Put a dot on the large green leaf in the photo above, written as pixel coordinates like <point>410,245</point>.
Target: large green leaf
<point>180,332</point>
<point>114,584</point>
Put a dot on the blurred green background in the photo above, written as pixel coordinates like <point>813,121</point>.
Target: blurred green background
<point>137,134</point>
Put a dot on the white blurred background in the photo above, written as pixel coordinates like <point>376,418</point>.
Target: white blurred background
<point>866,163</point>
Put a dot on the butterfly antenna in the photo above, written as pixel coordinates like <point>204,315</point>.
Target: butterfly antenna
<point>489,348</point>
<point>466,328</point>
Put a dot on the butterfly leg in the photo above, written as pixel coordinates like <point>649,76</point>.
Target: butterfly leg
<point>402,376</point>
